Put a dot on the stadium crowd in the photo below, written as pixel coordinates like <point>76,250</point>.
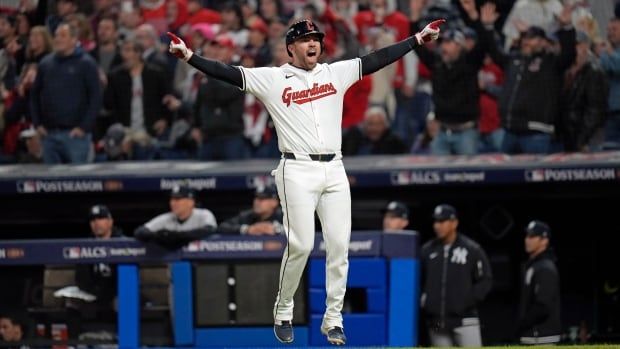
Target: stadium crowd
<point>84,81</point>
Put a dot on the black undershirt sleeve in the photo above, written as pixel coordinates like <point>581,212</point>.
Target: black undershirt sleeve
<point>385,56</point>
<point>218,70</point>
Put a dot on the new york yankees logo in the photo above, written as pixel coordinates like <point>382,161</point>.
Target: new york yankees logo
<point>459,255</point>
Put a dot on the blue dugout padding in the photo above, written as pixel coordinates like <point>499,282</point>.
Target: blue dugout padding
<point>384,265</point>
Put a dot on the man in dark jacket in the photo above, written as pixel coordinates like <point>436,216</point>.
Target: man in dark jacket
<point>374,137</point>
<point>65,99</point>
<point>456,277</point>
<point>455,92</point>
<point>529,102</point>
<point>135,97</point>
<point>585,101</point>
<point>539,310</point>
<point>219,112</point>
<point>265,217</point>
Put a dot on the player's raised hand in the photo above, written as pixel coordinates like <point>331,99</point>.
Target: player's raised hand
<point>178,48</point>
<point>430,32</point>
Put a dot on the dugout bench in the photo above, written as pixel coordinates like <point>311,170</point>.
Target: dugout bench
<point>384,266</point>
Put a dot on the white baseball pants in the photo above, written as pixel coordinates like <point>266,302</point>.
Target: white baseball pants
<point>306,186</point>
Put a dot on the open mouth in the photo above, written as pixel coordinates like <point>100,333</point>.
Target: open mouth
<point>312,53</point>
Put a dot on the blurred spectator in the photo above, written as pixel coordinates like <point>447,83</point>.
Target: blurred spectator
<point>585,101</point>
<point>249,9</point>
<point>129,19</point>
<point>609,53</point>
<point>257,43</point>
<point>259,129</point>
<point>8,37</point>
<point>13,329</point>
<point>530,99</point>
<point>104,9</point>
<point>455,88</point>
<point>280,56</point>
<point>184,222</point>
<point>381,92</point>
<point>65,99</point>
<point>395,217</point>
<point>539,309</point>
<point>17,111</point>
<point>198,14</point>
<point>148,38</point>
<point>456,277</point>
<point>107,52</point>
<point>85,31</point>
<point>186,78</point>
<point>373,137</point>
<point>135,98</point>
<point>426,11</point>
<point>176,14</point>
<point>64,8</point>
<point>356,103</point>
<point>490,82</point>
<point>154,14</point>
<point>531,13</point>
<point>422,144</point>
<point>39,44</point>
<point>33,153</point>
<point>277,29</point>
<point>383,13</point>
<point>265,217</point>
<point>233,24</point>
<point>218,112</point>
<point>271,10</point>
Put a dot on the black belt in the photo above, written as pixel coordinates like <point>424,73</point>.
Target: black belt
<point>313,157</point>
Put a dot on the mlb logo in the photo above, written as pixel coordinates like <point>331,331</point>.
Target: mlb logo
<point>74,252</point>
<point>535,175</point>
<point>27,187</point>
<point>193,246</point>
<point>401,178</point>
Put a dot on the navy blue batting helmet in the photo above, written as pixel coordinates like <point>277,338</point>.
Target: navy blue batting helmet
<point>300,29</point>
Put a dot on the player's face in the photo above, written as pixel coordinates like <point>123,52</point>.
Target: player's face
<point>443,229</point>
<point>101,227</point>
<point>534,244</point>
<point>8,331</point>
<point>182,207</point>
<point>264,206</point>
<point>306,51</point>
<point>394,223</point>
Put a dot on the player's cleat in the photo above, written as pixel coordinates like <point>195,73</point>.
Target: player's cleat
<point>335,335</point>
<point>284,331</point>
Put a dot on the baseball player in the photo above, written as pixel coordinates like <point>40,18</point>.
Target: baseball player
<point>304,98</point>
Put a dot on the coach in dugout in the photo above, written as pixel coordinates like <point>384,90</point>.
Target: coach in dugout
<point>456,277</point>
<point>539,311</point>
<point>265,217</point>
<point>184,222</point>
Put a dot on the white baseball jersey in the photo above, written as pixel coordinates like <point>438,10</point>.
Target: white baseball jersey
<point>306,106</point>
<point>200,218</point>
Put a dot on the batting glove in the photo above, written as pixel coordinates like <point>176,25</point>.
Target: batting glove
<point>430,32</point>
<point>178,48</point>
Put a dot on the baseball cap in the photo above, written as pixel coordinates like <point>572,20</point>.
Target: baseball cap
<point>28,132</point>
<point>204,29</point>
<point>182,192</point>
<point>99,211</point>
<point>224,41</point>
<point>260,26</point>
<point>534,32</point>
<point>444,212</point>
<point>398,209</point>
<point>538,228</point>
<point>266,192</point>
<point>454,35</point>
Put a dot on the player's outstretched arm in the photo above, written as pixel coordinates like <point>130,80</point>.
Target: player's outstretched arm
<point>215,69</point>
<point>390,54</point>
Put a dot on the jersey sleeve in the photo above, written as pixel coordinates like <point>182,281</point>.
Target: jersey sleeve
<point>257,81</point>
<point>158,223</point>
<point>209,219</point>
<point>347,72</point>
